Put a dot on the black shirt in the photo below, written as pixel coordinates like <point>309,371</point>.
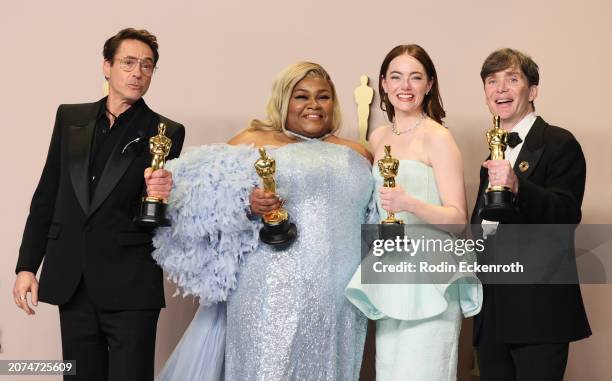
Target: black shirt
<point>105,140</point>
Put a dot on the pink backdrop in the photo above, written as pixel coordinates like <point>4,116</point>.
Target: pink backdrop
<point>215,73</point>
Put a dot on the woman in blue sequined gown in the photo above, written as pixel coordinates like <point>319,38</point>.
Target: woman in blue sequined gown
<point>287,317</point>
<point>418,325</point>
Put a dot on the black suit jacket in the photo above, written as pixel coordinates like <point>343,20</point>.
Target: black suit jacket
<point>550,192</point>
<point>95,239</point>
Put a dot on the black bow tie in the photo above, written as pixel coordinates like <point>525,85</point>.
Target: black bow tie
<point>514,139</point>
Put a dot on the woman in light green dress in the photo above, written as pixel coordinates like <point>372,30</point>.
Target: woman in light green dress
<point>417,325</point>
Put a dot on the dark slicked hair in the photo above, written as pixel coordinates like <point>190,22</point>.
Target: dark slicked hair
<point>112,44</point>
<point>506,58</point>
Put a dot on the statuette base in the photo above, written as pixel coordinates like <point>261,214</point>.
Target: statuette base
<point>152,213</point>
<point>279,235</point>
<point>498,205</point>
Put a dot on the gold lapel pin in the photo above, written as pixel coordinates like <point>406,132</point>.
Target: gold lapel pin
<point>523,166</point>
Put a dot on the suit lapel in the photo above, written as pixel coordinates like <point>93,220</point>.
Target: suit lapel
<point>118,163</point>
<point>529,156</point>
<point>79,152</point>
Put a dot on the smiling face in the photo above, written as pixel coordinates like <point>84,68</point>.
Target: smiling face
<point>406,84</point>
<point>310,109</point>
<point>128,86</point>
<point>509,95</point>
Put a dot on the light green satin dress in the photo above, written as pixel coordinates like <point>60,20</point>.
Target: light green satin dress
<point>417,324</point>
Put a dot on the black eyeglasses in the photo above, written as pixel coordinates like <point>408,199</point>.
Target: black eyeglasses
<point>147,67</point>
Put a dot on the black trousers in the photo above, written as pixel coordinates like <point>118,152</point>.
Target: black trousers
<point>107,345</point>
<point>500,361</point>
<point>522,362</point>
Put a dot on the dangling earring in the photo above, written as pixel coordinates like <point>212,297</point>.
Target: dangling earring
<point>105,87</point>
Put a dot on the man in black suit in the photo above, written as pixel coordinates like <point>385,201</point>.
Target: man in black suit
<point>97,263</point>
<point>524,330</point>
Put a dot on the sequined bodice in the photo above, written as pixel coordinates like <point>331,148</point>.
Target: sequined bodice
<point>288,318</point>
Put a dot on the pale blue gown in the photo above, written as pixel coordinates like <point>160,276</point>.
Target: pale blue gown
<point>417,325</point>
<point>287,317</point>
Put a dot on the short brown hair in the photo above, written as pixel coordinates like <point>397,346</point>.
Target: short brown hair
<point>112,44</point>
<point>503,59</point>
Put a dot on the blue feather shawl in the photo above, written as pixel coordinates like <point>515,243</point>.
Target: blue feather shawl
<point>211,231</point>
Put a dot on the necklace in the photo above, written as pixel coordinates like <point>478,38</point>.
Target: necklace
<point>109,111</point>
<point>300,136</point>
<point>112,120</point>
<point>410,129</point>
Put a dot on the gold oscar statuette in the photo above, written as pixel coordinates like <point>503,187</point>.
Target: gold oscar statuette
<point>278,230</point>
<point>388,167</point>
<point>497,203</point>
<point>153,209</point>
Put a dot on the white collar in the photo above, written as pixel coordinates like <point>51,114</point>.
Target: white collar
<point>523,127</point>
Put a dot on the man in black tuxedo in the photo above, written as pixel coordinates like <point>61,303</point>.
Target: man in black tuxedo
<point>97,263</point>
<point>524,330</point>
